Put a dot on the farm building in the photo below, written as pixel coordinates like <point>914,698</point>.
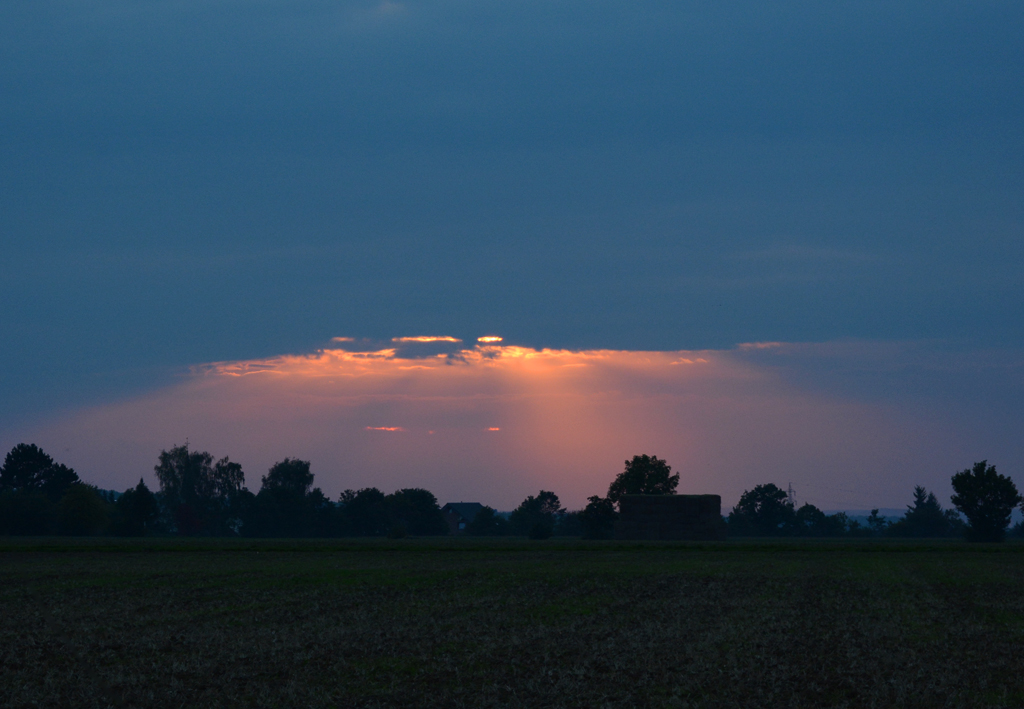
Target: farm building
<point>459,514</point>
<point>693,517</point>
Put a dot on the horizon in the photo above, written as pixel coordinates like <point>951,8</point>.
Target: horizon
<point>495,421</point>
<point>823,202</point>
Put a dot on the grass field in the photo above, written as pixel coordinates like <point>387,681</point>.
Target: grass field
<point>452,623</point>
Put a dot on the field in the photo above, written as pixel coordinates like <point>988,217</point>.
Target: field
<point>452,623</point>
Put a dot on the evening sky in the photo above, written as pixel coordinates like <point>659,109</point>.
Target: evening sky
<point>197,181</point>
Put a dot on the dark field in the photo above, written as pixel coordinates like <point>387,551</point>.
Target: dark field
<point>411,623</point>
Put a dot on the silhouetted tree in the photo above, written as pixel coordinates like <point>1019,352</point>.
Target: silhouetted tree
<point>541,530</point>
<point>288,505</point>
<point>924,517</point>
<point>644,475</point>
<point>136,512</point>
<point>598,518</point>
<point>957,525</point>
<point>291,474</point>
<point>877,524</point>
<point>27,468</point>
<point>415,511</point>
<point>986,499</point>
<point>764,511</point>
<point>363,513</point>
<point>82,512</point>
<point>853,527</point>
<point>535,517</point>
<point>25,512</point>
<point>201,496</point>
<point>569,524</point>
<point>487,523</point>
<point>809,521</point>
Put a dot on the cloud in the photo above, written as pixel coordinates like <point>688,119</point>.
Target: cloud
<point>758,345</point>
<point>425,339</point>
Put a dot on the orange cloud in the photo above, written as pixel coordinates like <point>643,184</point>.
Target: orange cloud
<point>425,338</point>
<point>384,428</point>
<point>489,338</point>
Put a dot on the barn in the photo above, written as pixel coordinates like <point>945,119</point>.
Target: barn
<point>460,514</point>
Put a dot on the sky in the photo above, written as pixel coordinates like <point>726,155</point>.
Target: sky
<point>187,187</point>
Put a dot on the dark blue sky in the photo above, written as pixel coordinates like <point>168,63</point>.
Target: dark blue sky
<point>190,181</point>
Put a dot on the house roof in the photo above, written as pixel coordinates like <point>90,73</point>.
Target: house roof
<point>466,510</point>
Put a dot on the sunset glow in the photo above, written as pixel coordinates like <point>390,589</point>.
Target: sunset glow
<point>425,338</point>
<point>724,419</point>
<point>768,242</point>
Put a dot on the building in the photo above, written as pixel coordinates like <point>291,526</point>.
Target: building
<point>459,514</point>
<point>690,517</point>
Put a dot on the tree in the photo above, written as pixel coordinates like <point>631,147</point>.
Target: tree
<point>598,518</point>
<point>986,499</point>
<point>82,512</point>
<point>25,512</point>
<point>957,526</point>
<point>290,474</point>
<point>569,524</point>
<point>136,512</point>
<point>415,511</point>
<point>643,475</point>
<point>809,521</point>
<point>288,505</point>
<point>764,511</point>
<point>536,516</point>
<point>487,523</point>
<point>876,523</point>
<point>27,468</point>
<point>363,513</point>
<point>924,518</point>
<point>201,496</point>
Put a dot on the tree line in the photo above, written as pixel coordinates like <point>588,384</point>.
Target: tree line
<point>983,502</point>
<point>201,496</point>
